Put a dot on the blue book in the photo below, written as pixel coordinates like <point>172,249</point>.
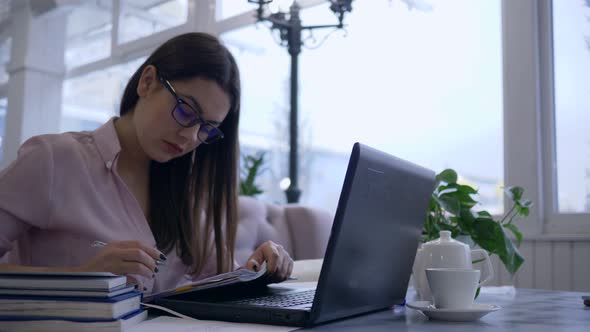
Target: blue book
<point>68,292</point>
<point>30,324</point>
<point>46,307</point>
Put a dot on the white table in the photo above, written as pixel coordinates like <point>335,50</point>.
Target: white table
<point>522,310</point>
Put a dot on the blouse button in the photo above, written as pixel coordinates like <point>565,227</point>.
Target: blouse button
<point>109,164</point>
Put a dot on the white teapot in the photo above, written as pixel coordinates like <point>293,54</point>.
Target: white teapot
<point>445,252</point>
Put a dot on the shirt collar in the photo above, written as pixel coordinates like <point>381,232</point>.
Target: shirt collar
<point>107,142</point>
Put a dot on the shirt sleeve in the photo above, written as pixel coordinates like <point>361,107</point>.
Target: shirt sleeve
<point>26,191</point>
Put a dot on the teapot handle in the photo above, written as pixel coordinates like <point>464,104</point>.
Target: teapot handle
<point>419,273</point>
<point>489,270</point>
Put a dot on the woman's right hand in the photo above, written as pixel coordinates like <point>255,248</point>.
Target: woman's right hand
<point>126,258</point>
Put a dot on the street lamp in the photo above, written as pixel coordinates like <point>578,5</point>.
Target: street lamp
<point>290,28</point>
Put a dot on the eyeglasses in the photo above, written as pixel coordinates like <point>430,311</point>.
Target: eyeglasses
<point>187,116</point>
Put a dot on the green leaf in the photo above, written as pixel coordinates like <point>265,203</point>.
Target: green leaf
<point>484,215</point>
<point>490,236</point>
<point>467,189</point>
<point>466,220</point>
<point>512,259</point>
<point>487,234</point>
<point>525,203</point>
<point>477,292</point>
<point>460,192</point>
<point>433,205</point>
<point>515,192</point>
<point>452,198</point>
<point>467,201</point>
<point>446,190</point>
<point>449,203</point>
<point>448,175</point>
<point>516,233</point>
<point>522,211</point>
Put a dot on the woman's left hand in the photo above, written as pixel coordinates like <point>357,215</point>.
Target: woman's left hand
<point>279,264</point>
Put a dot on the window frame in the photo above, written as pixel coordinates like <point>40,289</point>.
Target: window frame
<point>529,119</point>
<point>555,222</point>
<point>5,34</point>
<point>199,18</point>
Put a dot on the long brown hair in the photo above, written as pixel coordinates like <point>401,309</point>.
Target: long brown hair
<point>201,184</point>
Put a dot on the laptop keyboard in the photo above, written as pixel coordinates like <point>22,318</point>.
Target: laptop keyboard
<point>283,301</point>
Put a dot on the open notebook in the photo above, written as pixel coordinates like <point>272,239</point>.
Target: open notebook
<point>240,276</point>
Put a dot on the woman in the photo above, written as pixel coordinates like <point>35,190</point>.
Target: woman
<point>158,184</point>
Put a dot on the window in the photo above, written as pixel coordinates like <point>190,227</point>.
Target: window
<point>5,49</point>
<point>229,8</point>
<point>423,85</point>
<point>5,46</point>
<point>2,123</point>
<point>571,52</point>
<point>91,99</point>
<point>265,102</point>
<point>140,18</point>
<point>88,33</point>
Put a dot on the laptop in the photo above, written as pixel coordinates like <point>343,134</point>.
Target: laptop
<point>368,260</point>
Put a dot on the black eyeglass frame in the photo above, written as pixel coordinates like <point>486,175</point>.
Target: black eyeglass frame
<point>198,120</point>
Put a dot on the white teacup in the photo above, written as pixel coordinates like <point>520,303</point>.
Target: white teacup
<point>453,288</point>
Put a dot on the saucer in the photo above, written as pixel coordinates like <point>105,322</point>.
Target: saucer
<point>475,312</point>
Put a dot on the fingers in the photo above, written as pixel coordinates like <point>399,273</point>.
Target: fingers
<point>287,268</point>
<point>138,262</point>
<point>127,257</point>
<point>253,264</point>
<point>272,256</point>
<point>127,268</point>
<point>279,264</point>
<point>256,259</point>
<point>138,284</point>
<point>154,253</point>
<point>284,270</point>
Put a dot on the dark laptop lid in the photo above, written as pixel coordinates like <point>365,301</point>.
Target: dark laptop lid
<point>374,238</point>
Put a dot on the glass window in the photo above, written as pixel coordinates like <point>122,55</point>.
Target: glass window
<point>265,102</point>
<point>571,47</point>
<point>91,99</point>
<point>5,48</point>
<point>424,85</point>
<point>88,33</point>
<point>2,123</point>
<point>229,8</point>
<point>140,18</point>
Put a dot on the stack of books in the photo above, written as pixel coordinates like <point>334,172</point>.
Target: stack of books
<point>85,301</point>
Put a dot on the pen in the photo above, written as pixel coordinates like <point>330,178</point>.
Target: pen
<point>100,244</point>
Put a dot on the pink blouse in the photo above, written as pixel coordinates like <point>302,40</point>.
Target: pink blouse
<point>62,193</point>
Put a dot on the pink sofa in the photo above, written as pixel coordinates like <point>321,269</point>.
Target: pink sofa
<point>303,231</point>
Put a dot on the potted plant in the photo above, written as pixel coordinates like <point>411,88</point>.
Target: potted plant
<point>251,167</point>
<point>452,207</point>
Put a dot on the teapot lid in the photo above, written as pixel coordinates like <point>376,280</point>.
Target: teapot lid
<point>445,240</point>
